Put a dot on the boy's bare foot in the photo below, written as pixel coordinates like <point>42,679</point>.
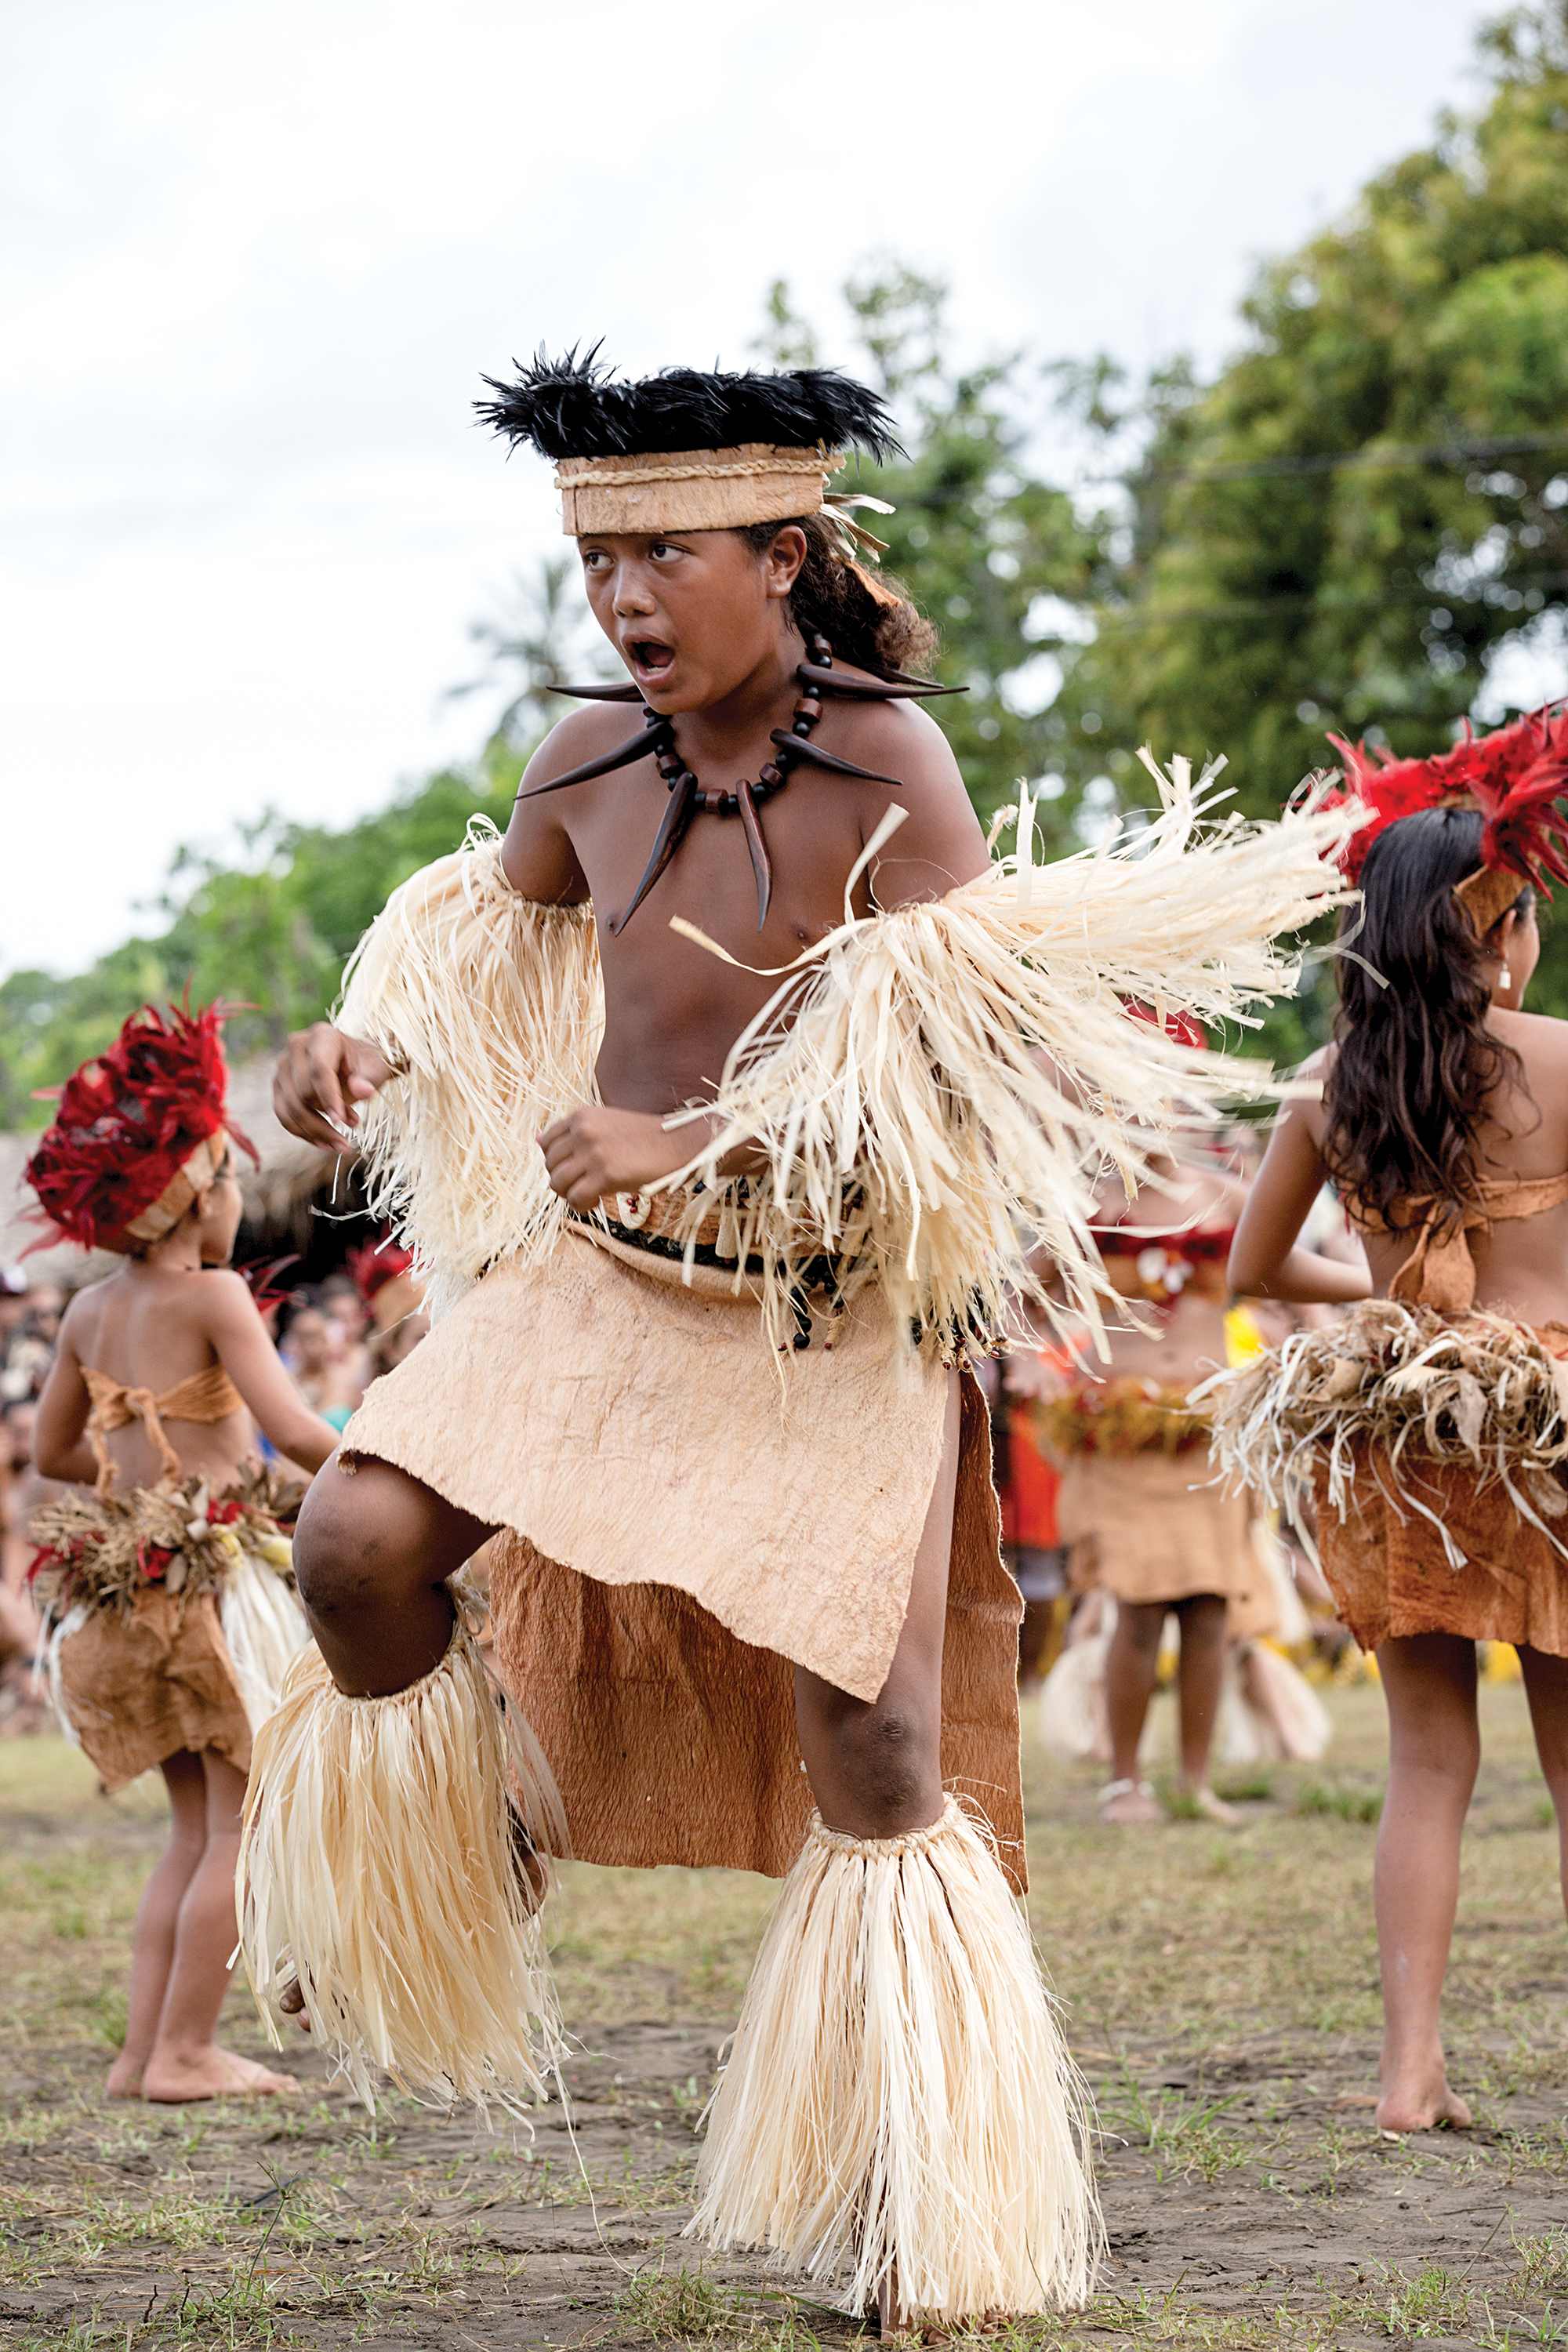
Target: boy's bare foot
<point>291,2001</point>
<point>1129,1801</point>
<point>124,2079</point>
<point>891,2326</point>
<point>212,2073</point>
<point>1422,2104</point>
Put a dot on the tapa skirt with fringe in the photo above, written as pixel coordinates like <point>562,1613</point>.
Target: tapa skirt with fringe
<point>685,1518</point>
<point>135,1682</point>
<point>1390,1571</point>
<point>1148,1528</point>
<point>1434,1447</point>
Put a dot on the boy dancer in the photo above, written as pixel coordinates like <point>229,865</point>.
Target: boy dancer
<point>697,1350</point>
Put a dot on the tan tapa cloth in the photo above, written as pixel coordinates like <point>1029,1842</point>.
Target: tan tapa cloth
<point>1146,1528</point>
<point>141,1686</point>
<point>1387,1563</point>
<point>1389,1570</point>
<point>686,1528</point>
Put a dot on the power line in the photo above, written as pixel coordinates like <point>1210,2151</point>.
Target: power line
<point>1253,608</point>
<point>1436,452</point>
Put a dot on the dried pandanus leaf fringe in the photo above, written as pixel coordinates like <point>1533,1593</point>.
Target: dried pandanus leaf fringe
<point>492,1007</point>
<point>379,1868</point>
<point>101,1549</point>
<point>899,2092</point>
<point>936,1090</point>
<point>1119,1417</point>
<point>1420,1388</point>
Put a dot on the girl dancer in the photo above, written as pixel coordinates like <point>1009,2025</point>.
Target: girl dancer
<point>1429,1425</point>
<point>1134,1506</point>
<point>167,1588</point>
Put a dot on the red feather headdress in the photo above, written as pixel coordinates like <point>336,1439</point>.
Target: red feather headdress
<point>1513,777</point>
<point>381,1276</point>
<point>138,1132</point>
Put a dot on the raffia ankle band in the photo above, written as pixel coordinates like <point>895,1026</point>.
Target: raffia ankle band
<point>378,1868</point>
<point>899,2105</point>
<point>874,1848</point>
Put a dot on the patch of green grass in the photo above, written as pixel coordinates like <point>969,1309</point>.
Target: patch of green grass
<point>1180,2132</point>
<point>1254,1785</point>
<point>1434,2303</point>
<point>1542,2259</point>
<point>686,2307</point>
<point>1326,1798</point>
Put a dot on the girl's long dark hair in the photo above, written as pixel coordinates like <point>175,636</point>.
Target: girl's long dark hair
<point>828,596</point>
<point>1416,1065</point>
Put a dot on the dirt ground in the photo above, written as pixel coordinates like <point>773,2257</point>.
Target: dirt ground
<point>1221,1994</point>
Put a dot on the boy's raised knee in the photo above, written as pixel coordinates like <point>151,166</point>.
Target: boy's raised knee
<point>332,1548</point>
<point>886,1756</point>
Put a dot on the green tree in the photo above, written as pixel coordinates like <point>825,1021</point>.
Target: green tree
<point>998,559</point>
<point>1369,502</point>
<point>272,931</point>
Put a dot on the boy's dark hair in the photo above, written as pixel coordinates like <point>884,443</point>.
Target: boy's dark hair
<point>830,595</point>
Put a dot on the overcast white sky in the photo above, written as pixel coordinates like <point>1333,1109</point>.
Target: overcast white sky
<point>254,257</point>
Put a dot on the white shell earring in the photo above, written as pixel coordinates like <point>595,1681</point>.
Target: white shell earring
<point>1505,977</point>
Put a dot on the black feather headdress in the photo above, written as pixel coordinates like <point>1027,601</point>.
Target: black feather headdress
<point>573,407</point>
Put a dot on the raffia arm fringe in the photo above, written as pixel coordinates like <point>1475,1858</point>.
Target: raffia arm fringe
<point>492,1007</point>
<point>936,1090</point>
<point>900,2094</point>
<point>1475,1389</point>
<point>377,1866</point>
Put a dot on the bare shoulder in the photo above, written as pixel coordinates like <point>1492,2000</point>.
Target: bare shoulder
<point>224,1299</point>
<point>585,733</point>
<point>899,737</point>
<point>941,842</point>
<point>83,1317</point>
<point>1540,1038</point>
<point>1317,1066</point>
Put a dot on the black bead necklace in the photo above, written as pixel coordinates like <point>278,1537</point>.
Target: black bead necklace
<point>688,798</point>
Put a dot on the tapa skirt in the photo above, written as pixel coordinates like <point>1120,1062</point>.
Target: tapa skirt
<point>686,1518</point>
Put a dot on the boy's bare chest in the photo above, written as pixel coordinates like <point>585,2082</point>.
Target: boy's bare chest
<point>673,1008</point>
<point>811,832</point>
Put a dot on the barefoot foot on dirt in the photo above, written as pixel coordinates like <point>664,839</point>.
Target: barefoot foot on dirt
<point>1422,2106</point>
<point>1212,1807</point>
<point>1129,1801</point>
<point>124,2079</point>
<point>212,2074</point>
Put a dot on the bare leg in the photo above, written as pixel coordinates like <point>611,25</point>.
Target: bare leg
<point>1434,1743</point>
<point>1546,1687</point>
<point>185,2061</point>
<point>1131,1666</point>
<point>1199,1675</point>
<point>874,1765</point>
<point>152,1943</point>
<point>373,1553</point>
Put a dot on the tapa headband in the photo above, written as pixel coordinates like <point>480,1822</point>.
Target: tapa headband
<point>692,490</point>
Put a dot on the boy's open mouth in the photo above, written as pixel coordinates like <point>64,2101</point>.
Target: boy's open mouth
<point>649,656</point>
